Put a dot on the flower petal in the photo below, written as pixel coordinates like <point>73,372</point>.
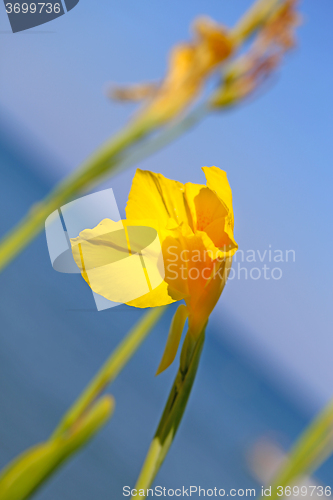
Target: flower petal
<point>154,196</point>
<point>175,333</point>
<point>159,296</point>
<point>122,261</point>
<point>210,210</point>
<point>189,261</point>
<point>200,307</point>
<point>217,181</point>
<point>190,65</point>
<point>204,204</point>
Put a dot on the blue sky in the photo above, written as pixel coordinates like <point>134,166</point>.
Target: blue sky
<point>277,152</point>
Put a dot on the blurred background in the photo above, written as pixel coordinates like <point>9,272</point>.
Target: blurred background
<point>266,367</point>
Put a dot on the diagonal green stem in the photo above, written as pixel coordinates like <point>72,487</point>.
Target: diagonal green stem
<point>115,154</point>
<point>113,157</point>
<point>105,159</point>
<point>111,368</point>
<point>312,448</point>
<point>27,472</point>
<point>253,19</point>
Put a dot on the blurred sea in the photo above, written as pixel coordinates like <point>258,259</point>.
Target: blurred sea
<point>53,340</point>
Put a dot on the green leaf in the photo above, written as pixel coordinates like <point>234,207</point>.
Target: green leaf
<point>133,143</point>
<point>312,448</point>
<point>111,368</point>
<point>84,419</point>
<point>175,333</point>
<point>27,472</point>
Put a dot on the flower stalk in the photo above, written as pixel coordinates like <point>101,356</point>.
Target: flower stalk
<point>26,473</point>
<point>29,471</point>
<point>105,160</point>
<point>174,409</point>
<point>111,368</point>
<point>253,19</point>
<point>312,448</point>
<point>117,153</point>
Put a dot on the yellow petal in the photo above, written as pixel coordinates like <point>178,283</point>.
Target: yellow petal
<point>122,261</point>
<point>201,306</point>
<point>217,181</point>
<point>188,260</point>
<point>100,246</point>
<point>174,337</point>
<point>210,212</point>
<point>215,43</point>
<point>205,206</point>
<point>172,248</point>
<point>154,196</point>
<point>221,234</point>
<point>158,297</point>
<point>190,65</point>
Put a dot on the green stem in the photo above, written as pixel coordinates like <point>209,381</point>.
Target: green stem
<point>29,471</point>
<point>173,411</point>
<point>110,369</point>
<point>253,19</point>
<point>113,155</point>
<point>312,448</point>
<point>109,159</point>
<point>105,159</point>
<point>89,413</point>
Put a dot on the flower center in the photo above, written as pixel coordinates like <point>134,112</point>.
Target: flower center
<point>202,222</point>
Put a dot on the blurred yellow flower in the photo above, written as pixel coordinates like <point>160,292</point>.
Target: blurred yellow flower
<point>194,224</point>
<point>245,74</point>
<point>189,66</point>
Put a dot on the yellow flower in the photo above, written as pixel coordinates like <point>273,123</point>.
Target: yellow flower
<point>248,72</point>
<point>190,65</point>
<point>194,224</point>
